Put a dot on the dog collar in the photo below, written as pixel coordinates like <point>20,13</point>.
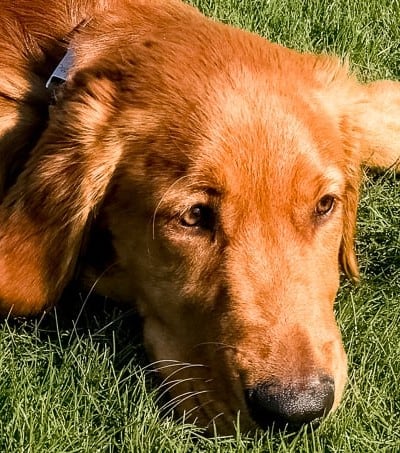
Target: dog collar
<point>59,75</point>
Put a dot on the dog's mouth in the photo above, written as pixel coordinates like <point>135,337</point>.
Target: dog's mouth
<point>191,393</point>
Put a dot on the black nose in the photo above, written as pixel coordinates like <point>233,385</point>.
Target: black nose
<point>292,405</point>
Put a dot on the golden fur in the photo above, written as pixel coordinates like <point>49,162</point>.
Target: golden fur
<point>199,172</point>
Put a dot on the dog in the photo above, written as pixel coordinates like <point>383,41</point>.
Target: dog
<point>200,173</point>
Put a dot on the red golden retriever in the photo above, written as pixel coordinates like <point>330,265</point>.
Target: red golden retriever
<point>199,172</point>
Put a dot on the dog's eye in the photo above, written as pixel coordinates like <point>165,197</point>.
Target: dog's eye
<point>325,205</point>
<point>199,215</point>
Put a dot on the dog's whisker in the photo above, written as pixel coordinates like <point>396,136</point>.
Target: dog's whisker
<point>187,414</point>
<point>169,361</point>
<point>189,379</point>
<point>176,372</point>
<point>198,407</point>
<point>216,343</point>
<point>212,421</point>
<point>150,369</point>
<point>181,365</point>
<point>179,399</point>
<point>173,384</point>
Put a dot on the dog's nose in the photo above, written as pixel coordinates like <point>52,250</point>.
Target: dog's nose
<point>290,405</point>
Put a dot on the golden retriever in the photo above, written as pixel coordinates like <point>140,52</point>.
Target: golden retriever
<point>199,172</point>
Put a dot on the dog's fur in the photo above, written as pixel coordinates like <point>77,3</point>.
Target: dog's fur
<point>199,172</point>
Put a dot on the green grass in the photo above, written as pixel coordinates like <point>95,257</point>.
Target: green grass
<point>83,386</point>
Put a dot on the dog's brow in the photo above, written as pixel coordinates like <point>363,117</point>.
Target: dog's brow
<point>333,179</point>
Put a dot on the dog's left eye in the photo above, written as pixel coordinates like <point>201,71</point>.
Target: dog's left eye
<point>325,205</point>
<point>200,216</point>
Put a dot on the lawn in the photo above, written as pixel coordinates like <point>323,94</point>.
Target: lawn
<point>78,382</point>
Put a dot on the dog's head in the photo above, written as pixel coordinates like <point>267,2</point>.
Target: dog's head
<point>220,177</point>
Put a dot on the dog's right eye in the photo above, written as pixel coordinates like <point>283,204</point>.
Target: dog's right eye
<point>198,216</point>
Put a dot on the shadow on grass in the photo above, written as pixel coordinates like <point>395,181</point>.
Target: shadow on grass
<point>78,316</point>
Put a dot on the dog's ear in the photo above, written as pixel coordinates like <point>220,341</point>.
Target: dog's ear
<point>369,121</point>
<point>371,132</point>
<point>378,120</point>
<point>44,216</point>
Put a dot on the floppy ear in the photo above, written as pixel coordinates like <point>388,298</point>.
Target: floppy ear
<point>43,217</point>
<point>371,131</point>
<point>379,123</point>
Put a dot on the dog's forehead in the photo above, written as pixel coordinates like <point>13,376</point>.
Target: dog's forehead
<point>231,120</point>
<point>265,139</point>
